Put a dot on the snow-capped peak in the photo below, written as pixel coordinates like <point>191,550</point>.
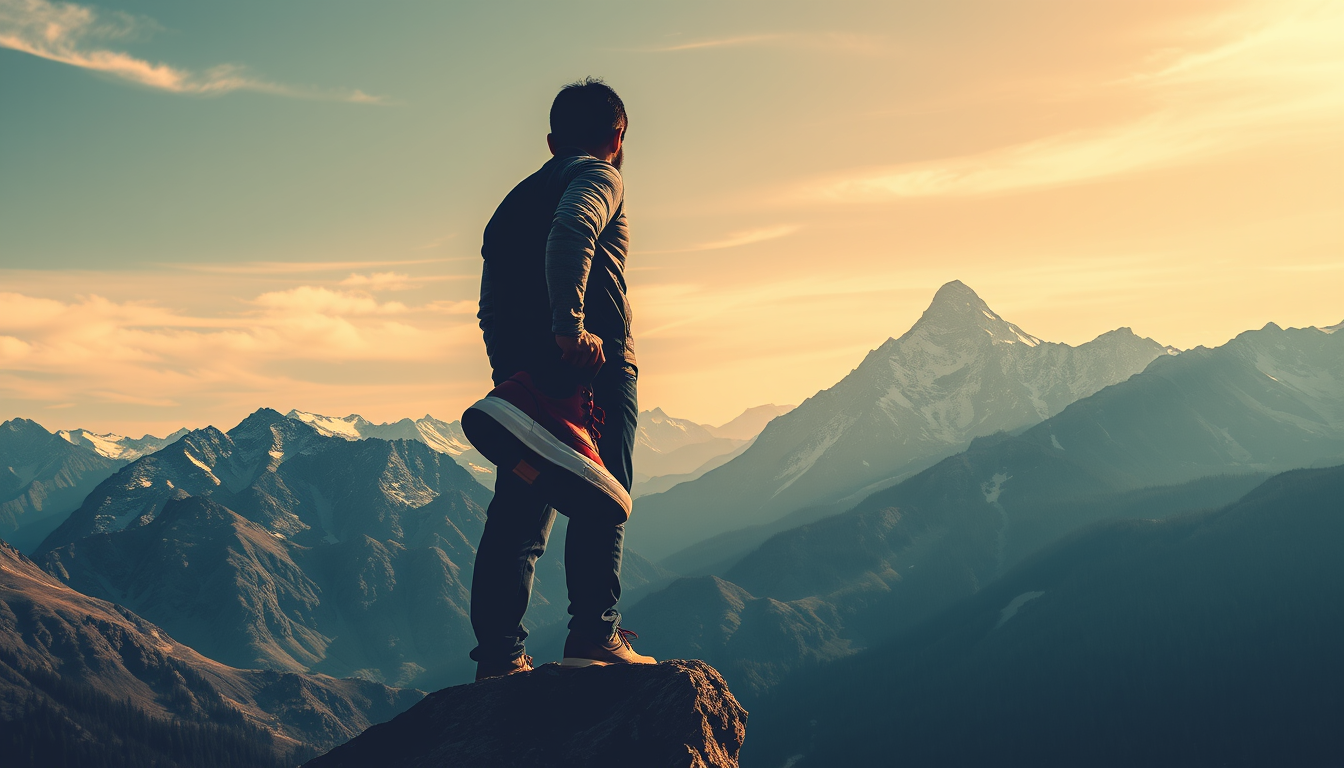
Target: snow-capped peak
<point>348,427</point>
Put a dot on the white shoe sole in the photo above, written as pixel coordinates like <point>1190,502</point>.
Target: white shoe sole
<point>548,447</point>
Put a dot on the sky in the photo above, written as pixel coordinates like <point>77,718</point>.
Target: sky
<point>206,208</point>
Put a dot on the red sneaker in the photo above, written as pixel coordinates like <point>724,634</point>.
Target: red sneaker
<point>550,443</point>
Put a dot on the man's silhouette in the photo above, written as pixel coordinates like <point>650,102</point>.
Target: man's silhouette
<point>561,421</point>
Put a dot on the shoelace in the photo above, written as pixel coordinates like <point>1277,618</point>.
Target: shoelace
<point>626,635</point>
<point>594,416</point>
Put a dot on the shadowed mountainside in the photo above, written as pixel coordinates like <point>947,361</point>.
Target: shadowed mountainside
<point>43,480</point>
<point>84,682</point>
<point>1205,639</point>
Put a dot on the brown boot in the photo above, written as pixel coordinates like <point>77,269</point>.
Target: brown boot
<point>616,650</point>
<point>501,668</point>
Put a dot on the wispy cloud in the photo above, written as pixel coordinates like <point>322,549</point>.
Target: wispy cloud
<point>396,281</point>
<point>1282,74</point>
<point>736,239</point>
<point>295,267</point>
<point>73,34</point>
<point>716,42</point>
<point>825,41</point>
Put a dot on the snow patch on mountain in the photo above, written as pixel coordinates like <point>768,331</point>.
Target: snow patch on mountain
<point>120,447</point>
<point>206,468</point>
<point>803,462</point>
<point>1010,610</point>
<point>443,436</point>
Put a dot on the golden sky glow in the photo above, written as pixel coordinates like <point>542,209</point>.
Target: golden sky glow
<point>799,185</point>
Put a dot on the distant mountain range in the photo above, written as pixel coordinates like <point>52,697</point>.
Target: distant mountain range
<point>87,682</point>
<point>277,546</point>
<point>442,436</point>
<point>669,451</point>
<point>43,479</point>
<point>1191,432</point>
<point>118,446</point>
<point>1210,638</point>
<point>960,372</point>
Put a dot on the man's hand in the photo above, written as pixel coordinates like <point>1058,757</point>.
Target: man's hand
<point>582,351</point>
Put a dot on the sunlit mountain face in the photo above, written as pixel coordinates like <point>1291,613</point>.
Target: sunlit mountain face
<point>961,372</point>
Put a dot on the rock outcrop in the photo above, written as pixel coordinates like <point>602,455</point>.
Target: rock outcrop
<point>677,713</point>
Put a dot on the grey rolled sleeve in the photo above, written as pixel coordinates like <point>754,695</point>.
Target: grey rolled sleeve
<point>590,202</point>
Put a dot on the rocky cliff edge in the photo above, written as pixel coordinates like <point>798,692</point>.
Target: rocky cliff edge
<point>677,713</point>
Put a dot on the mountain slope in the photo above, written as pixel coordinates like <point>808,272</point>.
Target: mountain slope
<point>960,372</point>
<point>81,678</point>
<point>43,479</point>
<point>1207,639</point>
<point>750,422</point>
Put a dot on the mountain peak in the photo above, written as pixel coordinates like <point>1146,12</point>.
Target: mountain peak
<point>956,291</point>
<point>957,298</point>
<point>24,426</point>
<point>957,309</point>
<point>260,423</point>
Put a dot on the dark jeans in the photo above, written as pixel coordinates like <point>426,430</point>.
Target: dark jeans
<point>518,524</point>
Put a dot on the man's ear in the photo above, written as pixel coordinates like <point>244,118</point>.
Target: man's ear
<point>550,142</point>
<point>614,145</point>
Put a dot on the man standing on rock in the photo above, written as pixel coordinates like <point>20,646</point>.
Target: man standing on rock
<point>560,423</point>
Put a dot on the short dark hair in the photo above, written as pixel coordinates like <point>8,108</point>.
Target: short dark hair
<point>587,114</point>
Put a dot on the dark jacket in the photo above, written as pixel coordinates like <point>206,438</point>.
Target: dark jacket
<point>554,255</point>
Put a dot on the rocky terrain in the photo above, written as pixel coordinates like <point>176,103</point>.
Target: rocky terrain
<point>673,714</point>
